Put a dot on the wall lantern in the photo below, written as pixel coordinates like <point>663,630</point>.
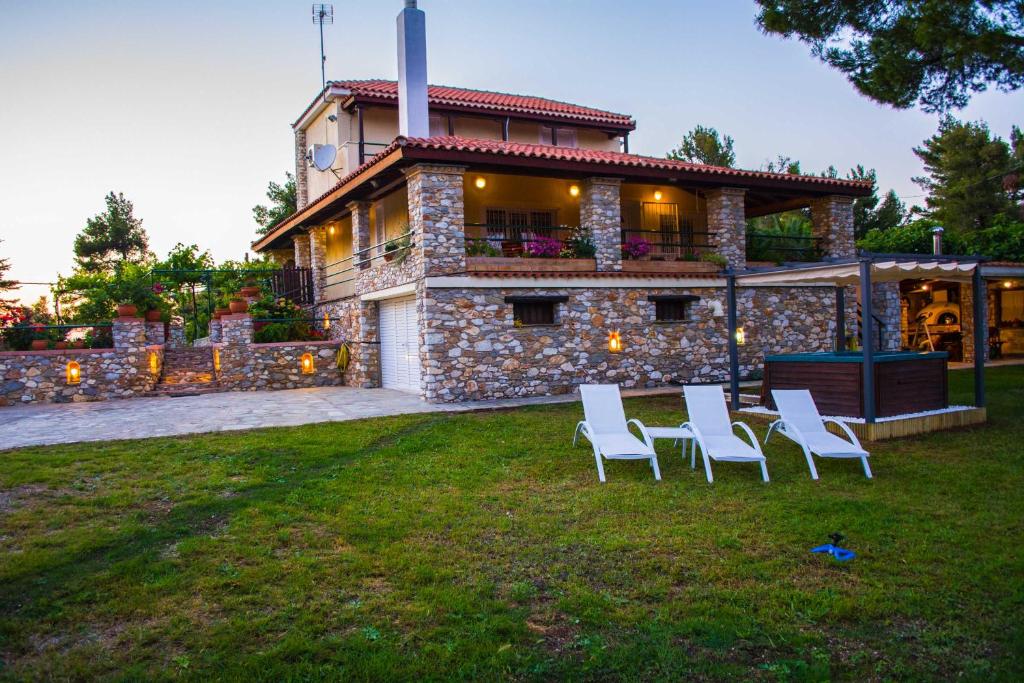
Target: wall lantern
<point>574,190</point>
<point>480,182</point>
<point>74,372</point>
<point>1007,284</point>
<point>331,230</point>
<point>327,322</point>
<point>615,342</point>
<point>306,362</point>
<point>741,336</point>
<point>657,195</point>
<point>216,360</point>
<point>154,363</point>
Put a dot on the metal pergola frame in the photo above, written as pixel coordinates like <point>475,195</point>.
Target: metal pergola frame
<point>860,271</point>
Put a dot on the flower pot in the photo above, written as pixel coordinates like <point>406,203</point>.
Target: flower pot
<point>153,315</point>
<point>238,306</point>
<point>250,292</point>
<point>60,345</point>
<point>127,310</point>
<point>80,344</point>
<point>389,256</point>
<point>39,344</point>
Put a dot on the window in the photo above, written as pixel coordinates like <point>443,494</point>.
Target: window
<point>438,125</point>
<point>535,310</point>
<point>560,137</point>
<point>672,308</point>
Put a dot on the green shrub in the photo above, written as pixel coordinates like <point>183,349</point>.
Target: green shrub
<point>273,332</point>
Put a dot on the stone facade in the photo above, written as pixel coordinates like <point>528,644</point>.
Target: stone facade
<point>155,332</point>
<point>261,367</point>
<point>832,226</point>
<point>176,333</point>
<point>727,224</point>
<point>301,170</point>
<point>236,329</point>
<point>318,260</point>
<point>885,300</point>
<point>437,218</point>
<point>215,331</point>
<point>967,321</point>
<point>472,349</point>
<point>355,322</point>
<point>601,213</point>
<point>361,240</point>
<point>301,244</point>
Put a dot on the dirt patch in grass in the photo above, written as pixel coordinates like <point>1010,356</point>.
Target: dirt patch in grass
<point>27,495</point>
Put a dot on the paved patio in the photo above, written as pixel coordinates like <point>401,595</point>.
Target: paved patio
<point>138,418</point>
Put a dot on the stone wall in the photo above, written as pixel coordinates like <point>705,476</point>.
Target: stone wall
<point>300,243</point>
<point>885,300</point>
<point>832,225</point>
<point>437,218</point>
<point>318,260</point>
<point>601,212</point>
<point>261,367</point>
<point>301,170</point>
<point>727,224</point>
<point>355,322</point>
<point>967,321</point>
<point>471,348</point>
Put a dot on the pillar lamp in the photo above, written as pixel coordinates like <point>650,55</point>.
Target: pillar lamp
<point>306,363</point>
<point>574,190</point>
<point>216,359</point>
<point>74,372</point>
<point>614,342</point>
<point>154,363</point>
<point>741,336</point>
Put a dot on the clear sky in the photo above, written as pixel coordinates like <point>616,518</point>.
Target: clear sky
<point>186,105</point>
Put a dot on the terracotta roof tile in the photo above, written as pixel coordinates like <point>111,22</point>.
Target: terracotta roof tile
<point>485,101</point>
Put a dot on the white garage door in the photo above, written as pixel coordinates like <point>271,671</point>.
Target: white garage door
<point>399,345</point>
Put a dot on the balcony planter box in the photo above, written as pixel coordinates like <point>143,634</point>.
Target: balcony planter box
<point>631,266</point>
<point>530,265</point>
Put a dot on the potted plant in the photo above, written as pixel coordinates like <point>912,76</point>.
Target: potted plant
<point>251,290</point>
<point>237,304</point>
<point>543,247</point>
<point>636,248</point>
<point>390,251</point>
<point>40,344</point>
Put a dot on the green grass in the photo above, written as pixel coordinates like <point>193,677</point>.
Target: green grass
<point>482,546</point>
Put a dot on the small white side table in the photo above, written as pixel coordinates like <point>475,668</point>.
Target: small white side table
<point>675,433</point>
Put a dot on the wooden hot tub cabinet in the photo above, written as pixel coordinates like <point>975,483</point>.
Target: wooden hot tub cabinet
<point>905,382</point>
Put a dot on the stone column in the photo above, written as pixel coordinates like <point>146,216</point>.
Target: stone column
<point>215,331</point>
<point>129,334</point>
<point>361,234</point>
<point>155,332</point>
<point>967,295</point>
<point>885,300</point>
<point>437,218</point>
<point>301,244</point>
<point>301,171</point>
<point>832,226</point>
<point>601,213</point>
<point>318,261</point>
<point>176,333</point>
<point>364,367</point>
<point>236,329</point>
<point>727,224</point>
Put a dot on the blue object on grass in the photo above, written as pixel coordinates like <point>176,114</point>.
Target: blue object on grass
<point>833,549</point>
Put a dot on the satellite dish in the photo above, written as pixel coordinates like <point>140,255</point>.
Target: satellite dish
<point>324,156</point>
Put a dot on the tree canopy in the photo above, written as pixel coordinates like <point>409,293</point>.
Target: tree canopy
<point>898,52</point>
<point>6,305</point>
<point>282,204</point>
<point>112,237</point>
<point>704,146</point>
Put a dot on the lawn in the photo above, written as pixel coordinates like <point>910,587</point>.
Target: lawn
<point>481,546</point>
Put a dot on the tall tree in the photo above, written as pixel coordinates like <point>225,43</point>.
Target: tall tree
<point>112,237</point>
<point>282,204</point>
<point>935,52</point>
<point>187,264</point>
<point>871,212</point>
<point>966,168</point>
<point>705,146</point>
<point>783,164</point>
<point>6,305</point>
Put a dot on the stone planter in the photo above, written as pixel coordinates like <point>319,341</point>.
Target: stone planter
<point>153,315</point>
<point>530,265</point>
<point>238,306</point>
<point>631,266</point>
<point>127,310</point>
<point>39,344</point>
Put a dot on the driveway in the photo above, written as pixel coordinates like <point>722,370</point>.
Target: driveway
<point>137,418</point>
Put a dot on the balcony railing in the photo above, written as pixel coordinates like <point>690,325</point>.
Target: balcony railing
<point>484,239</point>
<point>765,246</point>
<point>295,284</point>
<point>671,243</point>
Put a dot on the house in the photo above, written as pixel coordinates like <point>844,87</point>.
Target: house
<point>416,238</point>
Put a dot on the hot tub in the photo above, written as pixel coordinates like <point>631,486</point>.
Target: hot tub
<point>905,381</point>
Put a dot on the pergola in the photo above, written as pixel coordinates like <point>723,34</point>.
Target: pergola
<point>864,271</point>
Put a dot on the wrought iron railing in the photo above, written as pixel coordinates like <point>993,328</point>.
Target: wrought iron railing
<point>27,335</point>
<point>675,243</point>
<point>765,246</point>
<point>487,239</point>
<point>294,284</point>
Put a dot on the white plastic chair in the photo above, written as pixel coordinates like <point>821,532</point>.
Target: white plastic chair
<point>799,421</point>
<point>607,429</point>
<point>712,431</point>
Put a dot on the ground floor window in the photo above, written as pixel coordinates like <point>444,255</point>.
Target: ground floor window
<point>527,310</point>
<point>672,308</point>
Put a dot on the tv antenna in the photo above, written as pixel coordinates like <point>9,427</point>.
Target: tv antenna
<point>323,14</point>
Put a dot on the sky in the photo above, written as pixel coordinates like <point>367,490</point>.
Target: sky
<point>185,106</point>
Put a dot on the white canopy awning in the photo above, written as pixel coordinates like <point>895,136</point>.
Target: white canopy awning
<point>842,274</point>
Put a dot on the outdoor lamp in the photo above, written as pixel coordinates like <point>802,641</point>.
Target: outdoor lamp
<point>1007,284</point>
<point>327,322</point>
<point>154,363</point>
<point>741,336</point>
<point>307,364</point>
<point>216,360</point>
<point>657,195</point>
<point>614,342</point>
<point>331,230</point>
<point>74,372</point>
<point>480,182</point>
<point>574,190</point>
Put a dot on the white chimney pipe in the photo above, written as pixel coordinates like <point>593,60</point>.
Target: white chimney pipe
<point>413,116</point>
<point>937,240</point>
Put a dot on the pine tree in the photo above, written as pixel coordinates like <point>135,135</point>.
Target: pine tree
<point>112,237</point>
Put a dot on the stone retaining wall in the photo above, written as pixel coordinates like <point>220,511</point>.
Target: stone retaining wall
<point>471,348</point>
<point>256,367</point>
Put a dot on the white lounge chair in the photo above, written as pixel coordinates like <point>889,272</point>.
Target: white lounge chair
<point>712,431</point>
<point>607,429</point>
<point>799,421</point>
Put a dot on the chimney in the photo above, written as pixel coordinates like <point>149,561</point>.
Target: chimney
<point>413,117</point>
<point>937,240</point>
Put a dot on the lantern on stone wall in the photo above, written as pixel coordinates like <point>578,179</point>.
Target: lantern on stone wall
<point>154,363</point>
<point>741,336</point>
<point>615,342</point>
<point>306,362</point>
<point>327,322</point>
<point>74,372</point>
<point>216,359</point>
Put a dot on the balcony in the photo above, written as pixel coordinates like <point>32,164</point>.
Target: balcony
<point>544,248</point>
